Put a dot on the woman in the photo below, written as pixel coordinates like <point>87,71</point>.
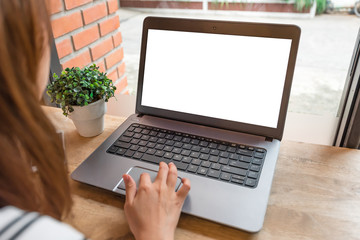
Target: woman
<point>28,141</point>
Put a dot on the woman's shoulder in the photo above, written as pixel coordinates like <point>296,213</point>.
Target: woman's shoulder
<point>18,224</point>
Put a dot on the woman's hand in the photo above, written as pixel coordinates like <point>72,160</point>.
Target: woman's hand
<point>154,209</point>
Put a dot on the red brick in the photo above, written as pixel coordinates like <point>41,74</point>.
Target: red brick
<point>66,24</point>
<point>64,48</point>
<point>86,37</point>
<point>101,49</point>
<point>94,13</point>
<point>112,6</point>
<point>53,6</point>
<point>109,25</point>
<point>101,65</point>
<point>117,38</point>
<point>80,60</point>
<point>113,76</point>
<point>121,69</point>
<point>114,58</point>
<point>70,4</point>
<point>121,85</point>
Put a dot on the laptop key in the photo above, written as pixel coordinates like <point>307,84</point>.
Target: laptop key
<point>216,166</point>
<point>177,157</point>
<point>137,135</point>
<point>225,176</point>
<point>213,145</point>
<point>194,154</point>
<point>224,161</point>
<point>252,174</point>
<point>159,153</point>
<point>185,152</point>
<point>168,155</point>
<point>206,164</point>
<point>112,149</point>
<point>168,148</point>
<point>231,149</point>
<point>233,170</point>
<point>214,152</point>
<point>202,171</point>
<point>245,159</point>
<point>159,147</point>
<point>142,149</point>
<point>196,162</point>
<point>257,161</point>
<point>250,182</point>
<point>129,153</point>
<point>128,134</point>
<point>134,147</point>
<point>134,141</point>
<point>122,145</point>
<point>192,168</point>
<point>142,143</point>
<point>137,155</point>
<point>237,181</point>
<point>224,154</point>
<point>242,178</point>
<point>205,150</point>
<point>195,148</point>
<point>187,146</point>
<point>124,139</point>
<point>255,168</point>
<point>176,150</point>
<point>245,152</point>
<point>151,151</point>
<point>214,159</point>
<point>178,144</point>
<point>181,166</point>
<point>187,160</point>
<point>259,155</point>
<point>234,156</point>
<point>213,173</point>
<point>121,151</point>
<point>239,164</point>
<point>151,158</point>
<point>169,143</point>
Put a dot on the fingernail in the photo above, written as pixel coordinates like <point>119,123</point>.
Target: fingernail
<point>126,177</point>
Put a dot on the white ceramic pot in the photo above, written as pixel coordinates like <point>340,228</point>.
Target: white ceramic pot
<point>89,120</point>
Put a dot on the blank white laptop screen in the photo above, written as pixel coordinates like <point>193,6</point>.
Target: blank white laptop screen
<point>236,78</point>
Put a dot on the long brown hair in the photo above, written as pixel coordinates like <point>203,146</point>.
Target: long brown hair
<point>27,137</point>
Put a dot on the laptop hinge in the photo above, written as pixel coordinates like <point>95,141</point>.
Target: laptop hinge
<point>268,139</point>
<point>140,115</point>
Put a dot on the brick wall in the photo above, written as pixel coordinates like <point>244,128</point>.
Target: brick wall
<point>86,32</point>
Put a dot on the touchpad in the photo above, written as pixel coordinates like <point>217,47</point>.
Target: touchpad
<point>135,173</point>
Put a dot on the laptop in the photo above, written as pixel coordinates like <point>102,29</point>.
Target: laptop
<point>212,98</point>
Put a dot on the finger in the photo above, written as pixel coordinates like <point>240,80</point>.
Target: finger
<point>162,174</point>
<point>172,176</point>
<point>184,190</point>
<point>130,188</point>
<point>145,181</point>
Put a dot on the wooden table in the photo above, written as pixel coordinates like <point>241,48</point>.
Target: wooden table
<point>315,194</point>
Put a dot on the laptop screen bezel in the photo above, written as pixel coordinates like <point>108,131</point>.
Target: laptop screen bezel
<point>222,27</point>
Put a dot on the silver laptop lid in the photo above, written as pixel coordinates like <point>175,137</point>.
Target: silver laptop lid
<point>230,75</point>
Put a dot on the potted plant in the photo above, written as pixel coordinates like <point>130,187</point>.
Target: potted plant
<point>82,94</point>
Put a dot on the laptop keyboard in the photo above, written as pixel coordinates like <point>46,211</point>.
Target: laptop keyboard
<point>228,162</point>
